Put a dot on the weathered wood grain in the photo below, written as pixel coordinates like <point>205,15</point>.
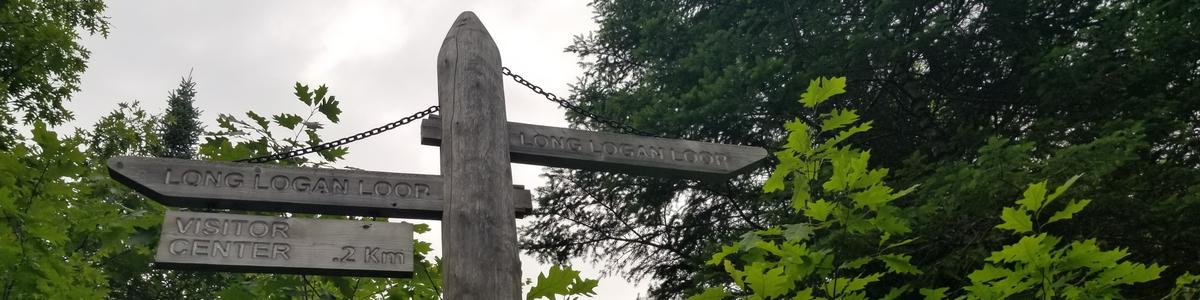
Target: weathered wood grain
<point>621,153</point>
<point>480,253</point>
<point>262,244</point>
<point>262,187</point>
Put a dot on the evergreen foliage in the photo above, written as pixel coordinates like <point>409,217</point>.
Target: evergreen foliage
<point>181,128</point>
<point>969,100</point>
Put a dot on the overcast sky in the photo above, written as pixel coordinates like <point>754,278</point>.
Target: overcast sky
<point>377,57</point>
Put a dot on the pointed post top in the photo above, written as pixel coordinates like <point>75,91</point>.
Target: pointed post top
<point>468,27</point>
<point>467,17</point>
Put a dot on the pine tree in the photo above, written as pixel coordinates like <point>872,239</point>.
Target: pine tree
<point>181,128</point>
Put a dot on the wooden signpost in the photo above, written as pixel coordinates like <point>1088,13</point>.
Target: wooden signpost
<point>244,243</point>
<point>479,238</point>
<point>622,153</point>
<point>263,187</point>
<point>474,198</point>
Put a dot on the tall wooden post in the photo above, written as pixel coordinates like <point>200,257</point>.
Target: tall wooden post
<point>478,228</point>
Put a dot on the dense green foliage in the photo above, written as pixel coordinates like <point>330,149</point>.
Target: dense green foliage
<point>60,220</point>
<point>969,99</point>
<point>848,240</point>
<point>845,219</point>
<point>41,59</point>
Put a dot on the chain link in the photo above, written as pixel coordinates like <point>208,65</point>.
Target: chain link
<point>564,103</point>
<point>571,106</point>
<point>342,141</point>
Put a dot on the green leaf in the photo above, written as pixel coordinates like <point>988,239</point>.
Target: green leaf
<point>334,154</point>
<point>583,287</point>
<point>1069,211</point>
<point>773,230</point>
<point>797,232</point>
<point>737,275</point>
<point>45,139</point>
<point>319,94</point>
<point>713,293</point>
<point>896,292</point>
<point>849,285</point>
<point>805,294</point>
<point>330,109</point>
<point>799,139</point>
<point>845,134</point>
<point>838,119</point>
<point>261,121</point>
<point>819,210</point>
<point>1063,188</point>
<point>1030,249</point>
<point>1185,286</point>
<point>899,263</point>
<point>873,196</point>
<point>313,138</point>
<point>890,224</point>
<point>857,263</point>
<point>557,282</point>
<point>800,192</point>
<point>934,294</point>
<point>1086,254</point>
<point>1129,273</point>
<point>303,94</point>
<point>767,283</point>
<point>1035,197</point>
<point>821,89</point>
<point>420,228</point>
<point>1015,220</point>
<point>749,240</point>
<point>288,121</point>
<point>988,273</point>
<point>775,182</point>
<point>720,256</point>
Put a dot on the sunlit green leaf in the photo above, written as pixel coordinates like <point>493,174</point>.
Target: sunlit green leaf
<point>1069,211</point>
<point>1016,220</point>
<point>720,256</point>
<point>1063,188</point>
<point>766,282</point>
<point>1034,197</point>
<point>819,210</point>
<point>838,118</point>
<point>797,232</point>
<point>821,89</point>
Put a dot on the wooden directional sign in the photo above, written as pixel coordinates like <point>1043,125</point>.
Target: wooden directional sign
<point>623,153</point>
<point>260,187</point>
<point>262,244</point>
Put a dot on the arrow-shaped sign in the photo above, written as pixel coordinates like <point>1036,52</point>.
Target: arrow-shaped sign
<point>612,152</point>
<point>263,244</point>
<point>262,187</point>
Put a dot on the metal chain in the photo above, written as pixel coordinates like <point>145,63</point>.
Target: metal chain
<point>432,109</point>
<point>571,106</point>
<point>342,141</point>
